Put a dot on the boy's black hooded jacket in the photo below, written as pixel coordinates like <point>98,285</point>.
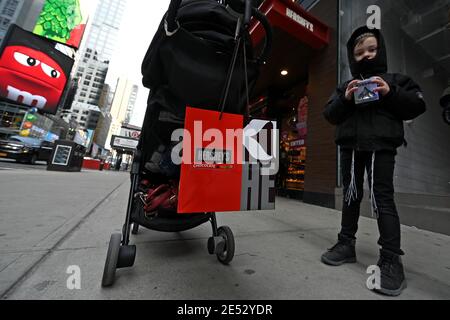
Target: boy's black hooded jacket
<point>377,125</point>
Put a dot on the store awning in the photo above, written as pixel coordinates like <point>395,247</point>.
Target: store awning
<point>293,19</point>
<point>297,36</point>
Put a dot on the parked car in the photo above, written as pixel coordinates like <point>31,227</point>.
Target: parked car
<point>46,150</point>
<point>26,150</point>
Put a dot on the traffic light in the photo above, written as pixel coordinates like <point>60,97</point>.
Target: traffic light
<point>28,122</point>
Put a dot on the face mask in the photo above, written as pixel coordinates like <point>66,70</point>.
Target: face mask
<point>368,67</point>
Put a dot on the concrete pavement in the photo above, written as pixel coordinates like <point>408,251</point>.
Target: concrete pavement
<point>38,209</point>
<point>277,253</point>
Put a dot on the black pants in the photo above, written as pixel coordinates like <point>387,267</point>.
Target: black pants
<point>388,219</point>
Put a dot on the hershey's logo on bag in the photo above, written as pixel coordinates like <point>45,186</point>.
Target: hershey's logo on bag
<point>213,156</point>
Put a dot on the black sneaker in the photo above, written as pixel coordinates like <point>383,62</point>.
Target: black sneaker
<point>342,252</point>
<point>392,275</point>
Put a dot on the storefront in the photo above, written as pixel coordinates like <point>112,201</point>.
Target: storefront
<point>12,118</point>
<point>286,91</point>
<point>311,59</point>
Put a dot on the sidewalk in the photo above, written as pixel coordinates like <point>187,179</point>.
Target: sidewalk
<point>277,257</point>
<point>38,209</point>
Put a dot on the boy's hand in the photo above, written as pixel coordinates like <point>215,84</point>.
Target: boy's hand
<point>351,89</point>
<point>383,86</point>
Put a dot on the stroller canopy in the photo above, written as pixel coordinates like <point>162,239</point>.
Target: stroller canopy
<point>190,66</point>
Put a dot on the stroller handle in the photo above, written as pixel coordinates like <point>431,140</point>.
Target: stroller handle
<point>269,35</point>
<point>172,24</point>
<point>172,15</point>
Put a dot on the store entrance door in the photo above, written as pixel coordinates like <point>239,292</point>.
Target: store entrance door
<point>281,91</point>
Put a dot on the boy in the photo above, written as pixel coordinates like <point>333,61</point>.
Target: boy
<point>369,134</point>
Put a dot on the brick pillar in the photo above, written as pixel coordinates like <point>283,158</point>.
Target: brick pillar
<point>321,166</point>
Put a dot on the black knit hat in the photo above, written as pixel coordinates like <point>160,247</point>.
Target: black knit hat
<point>363,36</point>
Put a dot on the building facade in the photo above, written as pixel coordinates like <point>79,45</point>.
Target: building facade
<point>131,104</point>
<point>124,96</point>
<point>311,37</point>
<point>102,131</point>
<point>86,115</point>
<point>9,12</point>
<point>122,105</point>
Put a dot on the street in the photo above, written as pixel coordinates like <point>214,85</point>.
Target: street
<point>8,164</point>
<point>51,222</point>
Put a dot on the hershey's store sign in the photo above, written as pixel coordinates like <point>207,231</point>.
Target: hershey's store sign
<point>299,19</point>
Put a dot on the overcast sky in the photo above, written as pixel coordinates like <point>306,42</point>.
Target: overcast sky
<point>140,22</point>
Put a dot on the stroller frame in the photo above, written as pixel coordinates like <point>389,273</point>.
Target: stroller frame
<point>120,253</point>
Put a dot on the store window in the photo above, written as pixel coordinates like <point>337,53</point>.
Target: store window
<point>418,44</point>
<point>11,119</point>
<point>291,178</point>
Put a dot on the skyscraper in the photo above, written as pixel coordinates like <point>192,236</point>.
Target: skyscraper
<point>97,52</point>
<point>131,104</point>
<point>9,11</point>
<point>125,95</point>
<point>93,62</point>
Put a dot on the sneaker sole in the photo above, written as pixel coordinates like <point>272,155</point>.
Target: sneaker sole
<point>392,293</point>
<point>337,263</point>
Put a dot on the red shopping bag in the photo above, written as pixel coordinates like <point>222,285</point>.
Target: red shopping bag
<point>216,174</point>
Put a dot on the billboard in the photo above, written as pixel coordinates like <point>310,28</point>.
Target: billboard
<point>82,137</point>
<point>32,71</point>
<point>63,21</point>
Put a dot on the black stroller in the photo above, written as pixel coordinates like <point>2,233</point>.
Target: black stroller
<point>200,56</point>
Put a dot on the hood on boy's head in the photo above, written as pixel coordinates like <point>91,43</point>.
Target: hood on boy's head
<point>367,68</point>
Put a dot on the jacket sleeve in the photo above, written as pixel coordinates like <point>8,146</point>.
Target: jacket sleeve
<point>406,99</point>
<point>338,109</point>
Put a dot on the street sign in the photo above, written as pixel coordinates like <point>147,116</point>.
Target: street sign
<point>130,133</point>
<point>125,143</point>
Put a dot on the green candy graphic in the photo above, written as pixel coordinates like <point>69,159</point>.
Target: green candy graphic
<point>58,18</point>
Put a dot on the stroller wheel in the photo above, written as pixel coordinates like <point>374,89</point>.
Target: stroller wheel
<point>211,246</point>
<point>226,252</point>
<point>135,228</point>
<point>112,256</point>
<point>127,255</point>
